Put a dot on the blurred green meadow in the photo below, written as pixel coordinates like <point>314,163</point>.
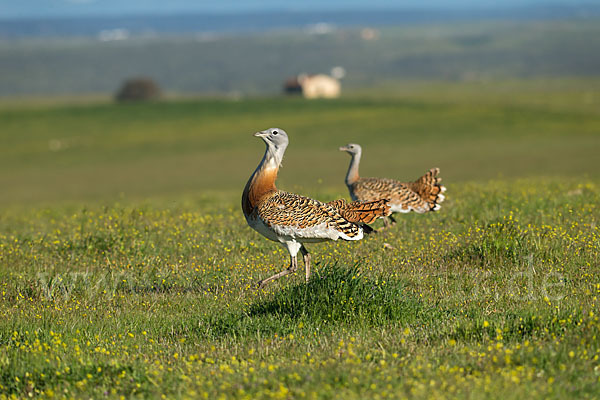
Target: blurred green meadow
<point>100,151</point>
<point>128,270</point>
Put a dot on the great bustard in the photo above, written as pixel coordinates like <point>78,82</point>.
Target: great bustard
<point>424,194</point>
<point>293,220</point>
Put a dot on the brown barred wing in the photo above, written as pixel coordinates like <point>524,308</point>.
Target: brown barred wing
<point>362,212</point>
<point>303,215</point>
<point>402,197</point>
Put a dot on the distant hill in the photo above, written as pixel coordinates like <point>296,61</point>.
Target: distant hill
<point>257,64</point>
<point>274,20</point>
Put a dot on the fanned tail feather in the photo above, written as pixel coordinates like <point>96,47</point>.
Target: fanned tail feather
<point>362,212</point>
<point>429,188</point>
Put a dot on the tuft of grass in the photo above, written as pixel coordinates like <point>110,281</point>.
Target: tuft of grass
<point>338,295</point>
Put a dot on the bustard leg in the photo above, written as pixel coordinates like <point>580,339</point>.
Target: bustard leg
<point>306,256</point>
<point>387,223</point>
<point>291,269</point>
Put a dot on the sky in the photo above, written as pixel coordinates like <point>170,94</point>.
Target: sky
<point>58,8</point>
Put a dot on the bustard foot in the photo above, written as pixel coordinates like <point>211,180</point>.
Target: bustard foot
<point>291,269</point>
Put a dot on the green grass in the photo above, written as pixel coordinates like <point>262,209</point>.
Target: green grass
<point>127,269</point>
<point>496,296</point>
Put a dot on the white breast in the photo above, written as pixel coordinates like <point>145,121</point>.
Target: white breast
<point>315,233</point>
<point>286,233</point>
<point>259,226</point>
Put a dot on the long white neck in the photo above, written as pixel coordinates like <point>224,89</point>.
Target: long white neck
<point>352,175</point>
<point>263,179</point>
<point>273,157</point>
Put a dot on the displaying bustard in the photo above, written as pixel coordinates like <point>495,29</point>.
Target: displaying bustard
<point>424,194</point>
<point>293,220</point>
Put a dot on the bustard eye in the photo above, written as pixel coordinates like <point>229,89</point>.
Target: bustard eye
<point>275,132</point>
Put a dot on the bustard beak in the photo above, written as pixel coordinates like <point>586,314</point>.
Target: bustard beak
<point>344,148</point>
<point>261,134</point>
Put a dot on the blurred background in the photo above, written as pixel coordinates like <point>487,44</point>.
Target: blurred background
<point>106,99</point>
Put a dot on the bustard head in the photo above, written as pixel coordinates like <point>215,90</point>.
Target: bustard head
<point>274,137</point>
<point>352,149</point>
<point>276,140</point>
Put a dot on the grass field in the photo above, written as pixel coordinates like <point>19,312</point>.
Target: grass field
<point>127,269</point>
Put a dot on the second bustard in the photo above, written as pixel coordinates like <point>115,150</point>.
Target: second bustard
<point>424,194</point>
<point>293,220</point>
